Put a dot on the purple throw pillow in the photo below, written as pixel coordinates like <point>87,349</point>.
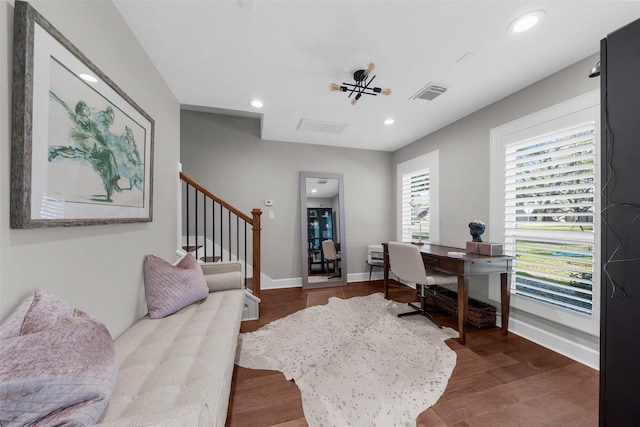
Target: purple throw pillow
<point>171,287</point>
<point>60,370</point>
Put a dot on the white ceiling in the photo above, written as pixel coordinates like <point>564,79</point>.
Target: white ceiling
<point>218,55</point>
<point>322,188</point>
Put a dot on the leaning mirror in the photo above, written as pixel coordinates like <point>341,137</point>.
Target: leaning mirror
<point>323,246</point>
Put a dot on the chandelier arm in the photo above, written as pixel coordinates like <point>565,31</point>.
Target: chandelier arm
<point>368,83</point>
<point>363,87</point>
<point>358,91</point>
<point>354,88</point>
<point>360,88</point>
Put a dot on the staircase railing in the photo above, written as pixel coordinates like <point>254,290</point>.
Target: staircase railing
<point>225,226</point>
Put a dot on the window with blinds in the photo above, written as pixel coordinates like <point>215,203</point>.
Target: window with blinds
<point>549,196</point>
<point>417,199</point>
<point>416,206</point>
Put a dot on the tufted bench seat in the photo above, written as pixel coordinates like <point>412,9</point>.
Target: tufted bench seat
<point>177,371</point>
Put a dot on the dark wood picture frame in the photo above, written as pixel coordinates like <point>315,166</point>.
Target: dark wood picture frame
<point>81,150</point>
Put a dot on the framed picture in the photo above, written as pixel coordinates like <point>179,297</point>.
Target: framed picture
<point>82,150</point>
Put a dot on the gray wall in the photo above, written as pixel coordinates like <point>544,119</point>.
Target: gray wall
<point>98,268</point>
<point>226,155</point>
<point>464,179</point>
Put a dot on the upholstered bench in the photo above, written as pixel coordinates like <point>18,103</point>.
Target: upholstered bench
<point>177,370</point>
<point>174,370</point>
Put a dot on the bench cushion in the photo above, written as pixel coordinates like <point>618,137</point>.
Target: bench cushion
<point>179,361</point>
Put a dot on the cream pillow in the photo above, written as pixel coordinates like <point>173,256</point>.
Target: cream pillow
<point>171,287</point>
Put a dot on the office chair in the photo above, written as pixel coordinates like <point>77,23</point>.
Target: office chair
<point>330,255</point>
<point>406,263</point>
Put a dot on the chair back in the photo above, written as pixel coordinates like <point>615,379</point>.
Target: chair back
<point>329,250</point>
<point>375,255</point>
<point>406,263</point>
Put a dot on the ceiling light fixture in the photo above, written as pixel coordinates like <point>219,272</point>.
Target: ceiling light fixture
<point>256,103</point>
<point>526,21</point>
<point>389,121</point>
<point>361,87</point>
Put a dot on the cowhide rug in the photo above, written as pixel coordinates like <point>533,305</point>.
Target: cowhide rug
<point>356,363</point>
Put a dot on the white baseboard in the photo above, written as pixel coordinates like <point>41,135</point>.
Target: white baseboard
<point>578,352</point>
<point>364,277</point>
<point>269,283</point>
<point>296,282</point>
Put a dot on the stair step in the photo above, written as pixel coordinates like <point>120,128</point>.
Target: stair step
<point>191,248</point>
<point>210,259</point>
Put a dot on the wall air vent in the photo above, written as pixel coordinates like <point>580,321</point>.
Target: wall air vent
<point>318,126</point>
<point>429,92</point>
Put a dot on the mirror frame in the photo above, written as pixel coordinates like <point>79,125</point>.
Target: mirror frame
<point>304,238</point>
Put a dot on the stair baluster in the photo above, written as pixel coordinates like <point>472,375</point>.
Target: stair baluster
<point>196,217</point>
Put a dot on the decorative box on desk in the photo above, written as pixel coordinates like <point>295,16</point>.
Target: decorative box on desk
<point>479,314</point>
<point>485,248</point>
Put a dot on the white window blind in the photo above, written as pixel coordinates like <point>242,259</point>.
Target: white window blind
<point>415,206</point>
<point>417,199</point>
<point>549,203</point>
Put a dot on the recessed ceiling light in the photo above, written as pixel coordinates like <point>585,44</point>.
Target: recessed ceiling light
<point>526,21</point>
<point>88,78</point>
<point>389,122</point>
<point>256,103</point>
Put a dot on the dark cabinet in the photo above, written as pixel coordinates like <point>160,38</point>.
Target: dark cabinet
<point>319,228</point>
<point>620,279</point>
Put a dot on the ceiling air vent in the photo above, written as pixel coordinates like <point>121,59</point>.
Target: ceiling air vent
<point>317,126</point>
<point>429,92</point>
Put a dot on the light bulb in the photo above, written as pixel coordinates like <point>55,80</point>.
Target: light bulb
<point>354,101</point>
<point>370,67</point>
<point>334,87</point>
<point>386,91</point>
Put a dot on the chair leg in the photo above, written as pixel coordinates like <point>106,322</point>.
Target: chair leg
<point>336,272</point>
<point>422,309</point>
<point>370,270</point>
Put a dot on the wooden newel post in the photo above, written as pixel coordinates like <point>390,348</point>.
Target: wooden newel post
<point>256,213</point>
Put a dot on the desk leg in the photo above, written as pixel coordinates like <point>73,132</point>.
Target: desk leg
<point>463,299</point>
<point>386,273</point>
<point>505,297</point>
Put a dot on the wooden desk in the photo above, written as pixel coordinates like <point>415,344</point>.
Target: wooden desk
<point>435,256</point>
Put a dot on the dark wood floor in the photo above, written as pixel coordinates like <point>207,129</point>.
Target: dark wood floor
<point>497,381</point>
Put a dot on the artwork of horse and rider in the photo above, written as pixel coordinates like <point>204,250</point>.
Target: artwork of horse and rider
<point>82,149</point>
<point>94,149</point>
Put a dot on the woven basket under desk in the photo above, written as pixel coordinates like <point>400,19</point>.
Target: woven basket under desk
<point>479,314</point>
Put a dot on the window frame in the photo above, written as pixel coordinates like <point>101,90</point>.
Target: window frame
<point>415,165</point>
<point>579,110</point>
